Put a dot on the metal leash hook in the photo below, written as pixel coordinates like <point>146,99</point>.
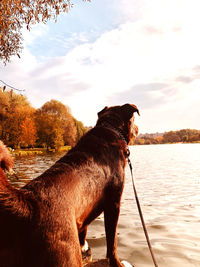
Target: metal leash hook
<point>141,215</point>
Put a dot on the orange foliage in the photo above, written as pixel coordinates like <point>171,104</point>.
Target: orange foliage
<point>28,132</point>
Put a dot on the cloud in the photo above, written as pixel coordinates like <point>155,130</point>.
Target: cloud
<point>57,85</point>
<point>151,30</point>
<point>184,79</point>
<point>144,95</point>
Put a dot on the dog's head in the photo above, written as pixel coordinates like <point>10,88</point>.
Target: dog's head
<point>120,118</point>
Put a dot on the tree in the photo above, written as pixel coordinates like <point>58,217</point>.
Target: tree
<point>138,141</point>
<point>171,137</point>
<point>14,109</point>
<point>55,125</point>
<point>159,139</point>
<point>80,129</point>
<point>4,104</point>
<point>28,132</point>
<point>14,14</point>
<point>55,107</point>
<point>70,132</point>
<point>49,130</point>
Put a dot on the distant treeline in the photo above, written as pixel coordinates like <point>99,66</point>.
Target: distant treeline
<point>50,126</point>
<point>53,125</point>
<point>184,136</point>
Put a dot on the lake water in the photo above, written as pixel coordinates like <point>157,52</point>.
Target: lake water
<point>167,178</point>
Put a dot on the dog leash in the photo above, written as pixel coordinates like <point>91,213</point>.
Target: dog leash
<point>140,213</point>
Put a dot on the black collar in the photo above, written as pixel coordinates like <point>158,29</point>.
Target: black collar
<point>117,132</point>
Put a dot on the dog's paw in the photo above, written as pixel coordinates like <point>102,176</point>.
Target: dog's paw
<point>86,253</point>
<point>126,264</point>
<point>85,247</point>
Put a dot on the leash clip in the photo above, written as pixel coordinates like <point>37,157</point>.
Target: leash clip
<point>128,153</point>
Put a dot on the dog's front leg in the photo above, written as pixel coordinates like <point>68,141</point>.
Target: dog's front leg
<point>82,239</point>
<point>82,236</point>
<point>111,215</point>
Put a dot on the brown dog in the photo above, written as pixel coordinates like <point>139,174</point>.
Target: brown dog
<point>44,223</point>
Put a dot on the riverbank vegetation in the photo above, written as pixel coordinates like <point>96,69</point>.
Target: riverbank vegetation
<point>181,136</point>
<point>37,151</point>
<point>51,126</point>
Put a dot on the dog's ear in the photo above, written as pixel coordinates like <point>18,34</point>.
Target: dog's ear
<point>128,110</point>
<point>102,111</point>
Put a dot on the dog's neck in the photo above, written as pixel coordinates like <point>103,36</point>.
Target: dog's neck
<point>117,132</point>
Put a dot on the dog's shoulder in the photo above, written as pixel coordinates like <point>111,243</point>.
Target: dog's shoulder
<point>98,146</point>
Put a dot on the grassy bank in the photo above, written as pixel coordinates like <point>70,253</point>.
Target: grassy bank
<point>37,151</point>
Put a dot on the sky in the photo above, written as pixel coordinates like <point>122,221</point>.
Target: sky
<point>105,53</point>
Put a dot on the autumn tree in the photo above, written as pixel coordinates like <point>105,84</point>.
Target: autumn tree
<point>49,131</point>
<point>28,132</point>
<point>14,109</point>
<point>80,129</point>
<point>159,139</point>
<point>15,14</point>
<point>70,132</point>
<point>55,125</point>
<point>4,106</point>
<point>138,141</point>
<point>171,137</point>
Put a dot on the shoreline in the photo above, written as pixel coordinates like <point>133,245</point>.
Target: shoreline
<point>37,151</point>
